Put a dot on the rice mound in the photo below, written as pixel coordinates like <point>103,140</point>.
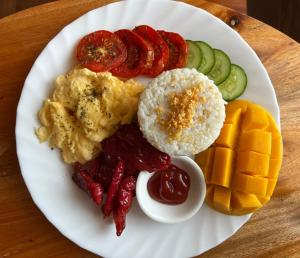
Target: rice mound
<point>207,119</point>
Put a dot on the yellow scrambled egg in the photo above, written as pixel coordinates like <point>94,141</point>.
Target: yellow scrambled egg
<point>84,109</point>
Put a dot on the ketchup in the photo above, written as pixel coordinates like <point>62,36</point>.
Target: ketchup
<point>170,186</point>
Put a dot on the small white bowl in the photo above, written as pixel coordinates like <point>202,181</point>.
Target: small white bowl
<point>173,213</point>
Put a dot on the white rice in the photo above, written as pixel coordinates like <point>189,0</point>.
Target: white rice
<point>201,134</point>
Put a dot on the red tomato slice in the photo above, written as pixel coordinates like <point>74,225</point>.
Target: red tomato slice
<point>140,55</point>
<point>161,49</point>
<point>101,51</point>
<point>178,49</point>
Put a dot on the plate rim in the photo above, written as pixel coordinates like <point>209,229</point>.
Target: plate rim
<point>33,195</point>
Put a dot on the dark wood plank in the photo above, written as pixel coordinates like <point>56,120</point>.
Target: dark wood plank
<point>7,7</point>
<point>24,4</point>
<point>238,5</point>
<point>281,14</point>
<point>10,6</point>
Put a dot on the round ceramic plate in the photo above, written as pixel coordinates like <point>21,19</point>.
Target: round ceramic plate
<point>48,178</point>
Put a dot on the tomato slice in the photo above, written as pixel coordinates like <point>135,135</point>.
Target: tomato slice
<point>140,55</point>
<point>101,51</point>
<point>161,49</point>
<point>178,49</point>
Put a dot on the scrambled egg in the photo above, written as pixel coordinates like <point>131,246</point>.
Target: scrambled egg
<point>84,109</point>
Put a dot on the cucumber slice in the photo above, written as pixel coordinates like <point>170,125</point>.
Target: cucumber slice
<point>235,84</point>
<point>195,55</point>
<point>208,57</point>
<point>221,68</point>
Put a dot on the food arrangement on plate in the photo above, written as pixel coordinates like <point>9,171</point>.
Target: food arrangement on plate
<point>110,127</point>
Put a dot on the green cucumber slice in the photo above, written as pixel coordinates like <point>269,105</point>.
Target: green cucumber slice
<point>221,68</point>
<point>208,57</point>
<point>195,55</point>
<point>235,84</point>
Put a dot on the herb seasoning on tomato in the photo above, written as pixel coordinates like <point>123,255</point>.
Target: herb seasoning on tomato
<point>178,49</point>
<point>101,51</point>
<point>140,55</point>
<point>161,49</point>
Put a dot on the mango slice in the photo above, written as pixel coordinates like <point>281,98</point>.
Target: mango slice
<point>242,166</point>
<point>238,104</point>
<point>271,186</point>
<point>222,198</point>
<point>256,140</point>
<point>245,203</point>
<point>276,146</point>
<point>250,184</point>
<point>274,168</point>
<point>210,194</point>
<point>253,163</point>
<point>205,161</point>
<point>255,119</point>
<point>263,199</point>
<point>228,136</point>
<point>233,116</point>
<point>223,167</point>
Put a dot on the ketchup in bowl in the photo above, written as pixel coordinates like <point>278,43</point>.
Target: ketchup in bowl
<point>170,186</point>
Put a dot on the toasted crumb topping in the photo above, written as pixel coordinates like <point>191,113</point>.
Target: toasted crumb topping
<point>182,107</point>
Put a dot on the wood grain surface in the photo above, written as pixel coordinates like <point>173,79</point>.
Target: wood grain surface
<point>273,231</point>
<point>11,6</point>
<point>8,7</point>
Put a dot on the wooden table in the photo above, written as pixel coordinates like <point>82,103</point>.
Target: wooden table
<point>273,231</point>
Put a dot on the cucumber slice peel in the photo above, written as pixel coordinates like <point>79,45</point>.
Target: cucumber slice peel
<point>195,55</point>
<point>221,68</point>
<point>235,85</point>
<point>208,57</point>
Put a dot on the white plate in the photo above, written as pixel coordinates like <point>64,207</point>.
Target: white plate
<point>48,178</point>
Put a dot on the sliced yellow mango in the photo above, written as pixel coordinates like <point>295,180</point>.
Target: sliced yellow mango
<point>242,166</point>
<point>253,163</point>
<point>250,184</point>
<point>210,194</point>
<point>276,146</point>
<point>233,116</point>
<point>255,118</point>
<point>222,198</point>
<point>256,140</point>
<point>273,128</point>
<point>263,199</point>
<point>271,186</point>
<point>274,168</point>
<point>243,203</point>
<point>205,162</point>
<point>242,104</point>
<point>228,136</point>
<point>223,167</point>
